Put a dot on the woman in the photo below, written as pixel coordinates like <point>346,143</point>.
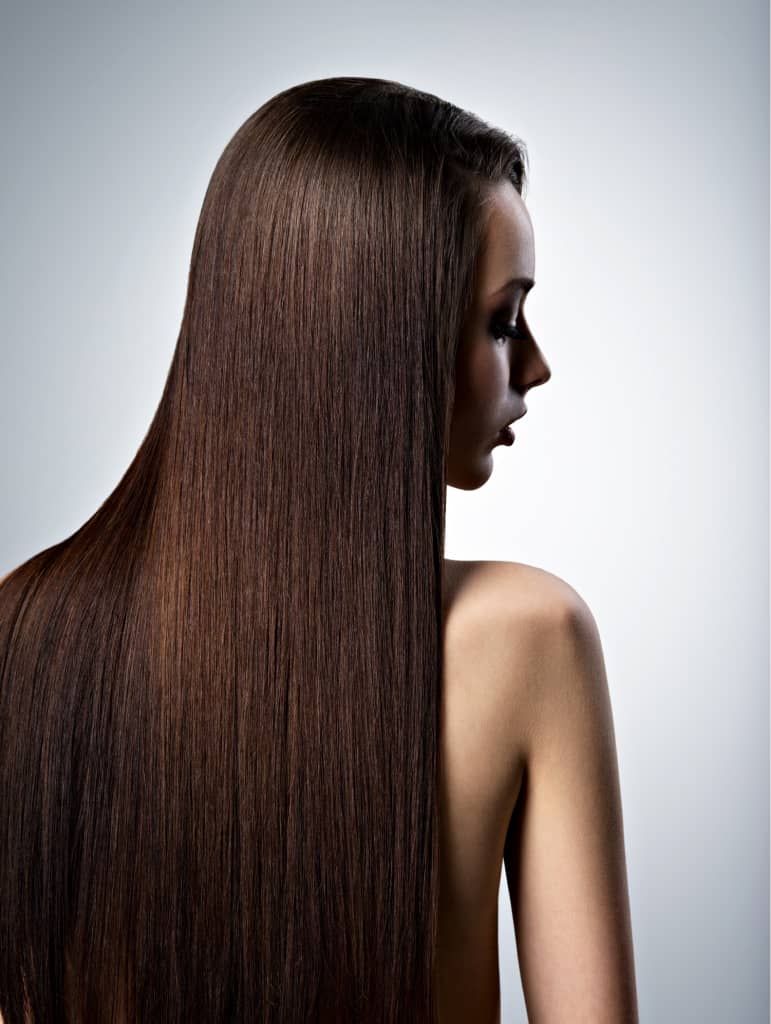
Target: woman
<point>263,751</point>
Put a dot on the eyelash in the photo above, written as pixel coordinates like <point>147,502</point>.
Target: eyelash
<point>501,331</point>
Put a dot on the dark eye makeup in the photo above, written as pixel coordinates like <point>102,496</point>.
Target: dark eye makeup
<point>501,330</point>
<point>501,326</point>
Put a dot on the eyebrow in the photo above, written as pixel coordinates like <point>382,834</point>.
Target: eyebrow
<point>521,282</point>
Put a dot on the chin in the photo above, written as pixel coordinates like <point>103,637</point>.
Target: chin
<point>470,475</point>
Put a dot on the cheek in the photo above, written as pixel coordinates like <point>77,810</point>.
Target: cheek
<point>479,398</point>
<point>488,380</point>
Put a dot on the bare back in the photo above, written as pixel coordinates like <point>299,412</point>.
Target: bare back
<point>479,784</point>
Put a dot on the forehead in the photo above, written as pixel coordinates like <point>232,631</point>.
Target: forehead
<point>508,248</point>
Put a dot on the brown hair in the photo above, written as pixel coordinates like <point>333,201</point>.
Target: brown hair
<point>219,698</point>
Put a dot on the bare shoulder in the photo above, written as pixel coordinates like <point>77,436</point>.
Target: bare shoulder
<point>514,588</point>
<point>508,616</point>
<point>521,642</point>
<point>502,622</point>
<point>526,647</point>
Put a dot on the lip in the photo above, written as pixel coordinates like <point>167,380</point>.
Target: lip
<point>506,434</point>
<point>518,416</point>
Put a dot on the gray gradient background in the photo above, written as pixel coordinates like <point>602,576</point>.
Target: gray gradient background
<point>641,472</point>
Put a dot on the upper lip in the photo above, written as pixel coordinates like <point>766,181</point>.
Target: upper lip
<point>517,417</point>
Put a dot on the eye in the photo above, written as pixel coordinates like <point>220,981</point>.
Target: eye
<point>501,331</point>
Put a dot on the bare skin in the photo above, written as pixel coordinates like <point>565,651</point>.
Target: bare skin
<point>530,784</point>
<point>479,784</point>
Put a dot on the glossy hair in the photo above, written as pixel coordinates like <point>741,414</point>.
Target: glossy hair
<point>220,697</point>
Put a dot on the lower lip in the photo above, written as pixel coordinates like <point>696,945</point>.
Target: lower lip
<point>506,436</point>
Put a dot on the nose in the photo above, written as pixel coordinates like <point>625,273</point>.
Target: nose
<point>535,370</point>
<point>545,374</point>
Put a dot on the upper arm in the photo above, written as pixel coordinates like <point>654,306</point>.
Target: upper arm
<point>564,853</point>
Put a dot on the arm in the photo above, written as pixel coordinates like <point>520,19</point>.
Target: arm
<point>564,853</point>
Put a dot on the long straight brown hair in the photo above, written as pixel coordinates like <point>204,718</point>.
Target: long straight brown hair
<point>220,697</point>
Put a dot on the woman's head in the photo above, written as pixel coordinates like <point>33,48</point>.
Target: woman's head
<point>358,226</point>
<point>494,371</point>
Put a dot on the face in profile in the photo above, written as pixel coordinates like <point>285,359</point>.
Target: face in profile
<point>494,371</point>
